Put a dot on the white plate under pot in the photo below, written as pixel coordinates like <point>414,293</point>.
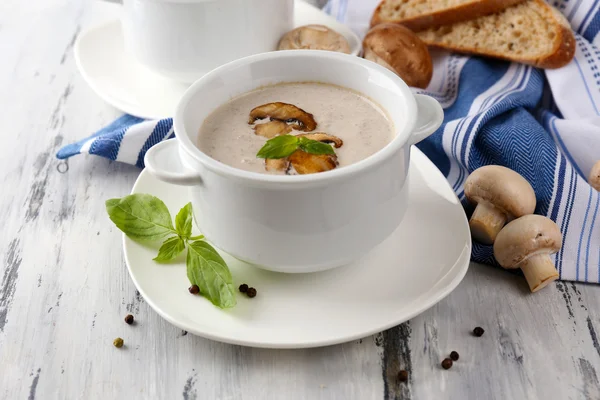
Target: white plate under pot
<point>125,84</point>
<point>416,267</point>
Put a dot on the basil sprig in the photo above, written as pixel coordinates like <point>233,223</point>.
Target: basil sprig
<point>284,145</point>
<point>143,217</point>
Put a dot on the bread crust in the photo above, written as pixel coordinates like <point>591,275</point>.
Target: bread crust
<point>400,50</point>
<point>563,49</point>
<point>463,12</point>
<point>565,45</point>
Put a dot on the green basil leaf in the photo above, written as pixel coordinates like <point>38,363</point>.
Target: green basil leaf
<point>170,249</point>
<point>315,147</point>
<point>199,237</point>
<point>279,147</point>
<point>208,270</point>
<point>141,216</point>
<point>183,221</point>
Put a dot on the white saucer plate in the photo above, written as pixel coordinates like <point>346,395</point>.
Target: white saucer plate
<point>128,86</point>
<point>416,267</point>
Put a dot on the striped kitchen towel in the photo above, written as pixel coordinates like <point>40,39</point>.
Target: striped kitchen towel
<point>543,124</point>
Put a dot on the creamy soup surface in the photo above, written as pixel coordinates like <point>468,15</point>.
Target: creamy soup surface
<point>364,127</point>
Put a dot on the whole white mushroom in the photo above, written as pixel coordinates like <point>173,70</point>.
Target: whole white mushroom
<point>527,243</point>
<point>501,195</point>
<point>314,37</point>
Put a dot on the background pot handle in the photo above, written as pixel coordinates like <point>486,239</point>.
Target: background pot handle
<point>430,116</point>
<point>115,1</point>
<point>164,162</point>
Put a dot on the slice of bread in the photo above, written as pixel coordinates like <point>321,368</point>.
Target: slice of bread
<point>422,14</point>
<point>531,33</point>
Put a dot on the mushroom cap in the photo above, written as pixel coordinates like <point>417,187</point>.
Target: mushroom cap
<point>504,188</point>
<point>525,237</point>
<point>314,37</point>
<point>306,163</point>
<point>398,49</point>
<point>284,112</point>
<point>594,178</point>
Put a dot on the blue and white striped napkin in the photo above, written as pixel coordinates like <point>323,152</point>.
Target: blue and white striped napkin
<point>543,124</point>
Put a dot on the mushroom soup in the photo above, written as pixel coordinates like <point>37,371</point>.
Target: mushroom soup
<point>308,115</point>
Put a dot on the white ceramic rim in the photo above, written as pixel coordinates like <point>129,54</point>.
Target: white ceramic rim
<point>399,141</point>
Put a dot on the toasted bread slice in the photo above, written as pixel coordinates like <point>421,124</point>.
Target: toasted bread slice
<point>422,14</point>
<point>530,33</point>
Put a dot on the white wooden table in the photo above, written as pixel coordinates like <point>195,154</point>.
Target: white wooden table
<point>64,288</point>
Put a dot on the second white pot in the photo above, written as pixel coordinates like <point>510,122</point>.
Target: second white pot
<point>185,39</point>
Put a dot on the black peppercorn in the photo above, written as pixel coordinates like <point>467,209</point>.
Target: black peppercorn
<point>403,376</point>
<point>243,288</point>
<point>447,363</point>
<point>129,319</point>
<point>194,289</point>
<point>478,331</point>
<point>454,356</point>
<point>251,292</point>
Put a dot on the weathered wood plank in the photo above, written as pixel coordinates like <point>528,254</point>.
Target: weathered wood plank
<point>531,349</point>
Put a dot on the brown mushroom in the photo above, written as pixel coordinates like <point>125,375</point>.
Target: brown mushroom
<point>272,129</point>
<point>594,178</point>
<point>277,165</point>
<point>501,195</point>
<point>286,113</point>
<point>398,49</point>
<point>324,137</point>
<point>305,163</point>
<point>527,243</point>
<point>314,37</point>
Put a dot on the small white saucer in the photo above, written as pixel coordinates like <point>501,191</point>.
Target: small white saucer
<point>127,85</point>
<point>421,263</point>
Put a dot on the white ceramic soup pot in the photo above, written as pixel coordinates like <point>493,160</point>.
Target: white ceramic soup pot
<point>300,223</point>
<point>185,39</point>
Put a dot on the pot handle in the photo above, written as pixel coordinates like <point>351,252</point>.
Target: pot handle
<point>115,1</point>
<point>430,116</point>
<point>164,162</point>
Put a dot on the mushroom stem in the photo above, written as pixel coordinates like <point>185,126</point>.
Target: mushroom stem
<point>539,271</point>
<point>486,222</point>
